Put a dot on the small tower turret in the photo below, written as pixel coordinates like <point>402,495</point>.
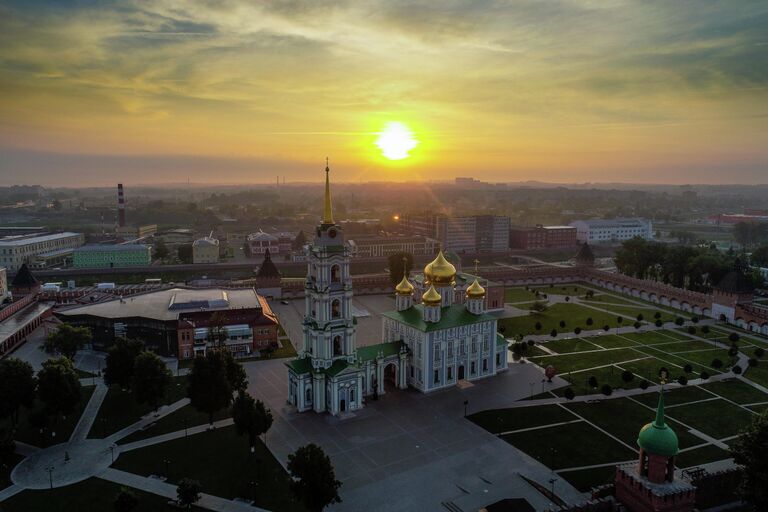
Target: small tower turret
<point>432,301</point>
<point>404,291</point>
<point>475,298</point>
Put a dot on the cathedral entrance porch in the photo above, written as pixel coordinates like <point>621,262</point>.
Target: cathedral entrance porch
<point>390,377</point>
<point>461,372</point>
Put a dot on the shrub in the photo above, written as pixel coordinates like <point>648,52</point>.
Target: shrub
<point>643,384</point>
<point>695,319</point>
<point>658,323</point>
<point>688,368</point>
<point>577,330</point>
<point>627,376</point>
<point>606,390</point>
<point>733,351</point>
<point>553,333</point>
<point>640,317</point>
<point>716,364</point>
<point>733,337</point>
<point>569,394</point>
<point>590,321</point>
<point>691,329</point>
<point>682,380</point>
<point>759,352</point>
<point>592,382</point>
<point>752,362</point>
<point>562,324</point>
<point>538,326</point>
<point>704,375</point>
<point>657,315</point>
<point>531,342</point>
<point>705,329</point>
<point>736,369</point>
<point>567,299</point>
<point>638,325</point>
<point>606,327</point>
<point>679,320</point>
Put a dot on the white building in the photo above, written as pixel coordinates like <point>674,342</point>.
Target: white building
<point>3,284</point>
<point>596,231</point>
<point>37,250</point>
<point>205,250</point>
<point>258,243</point>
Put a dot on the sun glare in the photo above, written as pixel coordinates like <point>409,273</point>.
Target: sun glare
<point>395,141</point>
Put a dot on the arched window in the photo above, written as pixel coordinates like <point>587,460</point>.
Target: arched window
<point>309,395</point>
<point>337,346</point>
<point>336,309</point>
<point>335,274</point>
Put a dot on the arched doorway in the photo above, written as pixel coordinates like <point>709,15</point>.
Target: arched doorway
<point>461,372</point>
<point>343,400</point>
<point>390,377</point>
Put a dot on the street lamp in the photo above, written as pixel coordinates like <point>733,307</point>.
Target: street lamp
<point>49,469</point>
<point>166,462</point>
<point>466,403</point>
<point>112,452</point>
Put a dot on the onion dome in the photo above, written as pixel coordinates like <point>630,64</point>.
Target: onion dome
<point>404,287</point>
<point>657,438</point>
<point>475,291</point>
<point>440,271</point>
<point>432,297</point>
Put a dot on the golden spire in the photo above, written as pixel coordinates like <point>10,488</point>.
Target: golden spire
<point>475,290</point>
<point>328,211</point>
<point>440,271</point>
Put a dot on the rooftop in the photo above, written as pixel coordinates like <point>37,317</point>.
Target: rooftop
<point>112,248</point>
<point>167,304</point>
<point>19,240</point>
<point>451,316</point>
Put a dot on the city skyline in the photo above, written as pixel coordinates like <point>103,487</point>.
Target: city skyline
<point>568,92</point>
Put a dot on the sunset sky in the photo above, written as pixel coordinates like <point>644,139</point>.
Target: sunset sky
<point>159,91</point>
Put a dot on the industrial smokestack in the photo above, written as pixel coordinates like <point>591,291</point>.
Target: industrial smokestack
<point>120,206</point>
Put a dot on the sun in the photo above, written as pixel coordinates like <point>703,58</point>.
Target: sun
<point>395,141</point>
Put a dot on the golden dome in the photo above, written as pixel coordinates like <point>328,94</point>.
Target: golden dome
<point>404,287</point>
<point>440,271</point>
<point>431,297</point>
<point>475,291</point>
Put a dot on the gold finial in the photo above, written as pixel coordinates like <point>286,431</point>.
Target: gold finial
<point>328,210</point>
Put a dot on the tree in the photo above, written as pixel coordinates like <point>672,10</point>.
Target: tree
<point>184,253</point>
<point>150,380</point>
<point>17,387</point>
<point>705,329</point>
<point>682,380</point>
<point>161,250</point>
<point>238,379</point>
<point>539,306</point>
<point>716,364</point>
<point>250,417</point>
<point>657,315</point>
<point>67,340</point>
<point>704,375</point>
<point>627,376</point>
<point>640,317</point>
<point>679,321</point>
<point>121,358</point>
<point>736,370</point>
<point>748,451</point>
<point>592,382</point>
<point>314,480</point>
<point>733,337</point>
<point>217,330</point>
<point>691,329</point>
<point>188,492</point>
<point>577,331</point>
<point>537,326</point>
<point>658,323</point>
<point>58,386</point>
<point>637,325</point>
<point>589,321</point>
<point>562,324</point>
<point>208,387</point>
<point>125,501</point>
<point>643,384</point>
<point>606,390</point>
<point>553,333</point>
<point>606,327</point>
<point>395,263</point>
<point>569,394</point>
<point>687,368</point>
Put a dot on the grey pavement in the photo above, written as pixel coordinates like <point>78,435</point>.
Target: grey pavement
<point>161,488</point>
<point>148,420</point>
<point>170,436</point>
<point>89,414</point>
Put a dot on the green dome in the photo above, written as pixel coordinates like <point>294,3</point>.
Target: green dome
<point>656,437</point>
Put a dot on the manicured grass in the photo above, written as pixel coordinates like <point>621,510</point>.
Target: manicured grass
<point>566,289</point>
<point>610,375</point>
<point>191,457</point>
<point>758,374</point>
<point>573,315</point>
<point>518,295</point>
<point>759,409</point>
<point>699,361</point>
<point>63,427</point>
<point>716,418</point>
<point>575,444</point>
<point>586,360</point>
<point>586,479</point>
<point>650,337</point>
<point>6,468</point>
<point>736,391</point>
<point>120,409</point>
<point>623,418</point>
<point>612,341</point>
<point>92,495</point>
<point>601,299</point>
<point>681,347</point>
<point>570,345</point>
<point>675,396</point>
<point>504,420</point>
<point>633,311</point>
<point>187,417</point>
<point>702,455</point>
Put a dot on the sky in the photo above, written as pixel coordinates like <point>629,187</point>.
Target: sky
<point>229,91</point>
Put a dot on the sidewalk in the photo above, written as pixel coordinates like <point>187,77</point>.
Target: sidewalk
<point>85,423</point>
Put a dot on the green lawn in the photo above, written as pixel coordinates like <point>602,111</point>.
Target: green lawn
<point>120,409</point>
<point>574,290</point>
<point>633,311</point>
<point>573,315</point>
<point>675,396</point>
<point>650,337</point>
<point>63,426</point>
<point>586,360</point>
<point>612,341</point>
<point>601,299</point>
<point>191,457</point>
<point>575,444</point>
<point>504,420</point>
<point>518,295</point>
<point>570,345</point>
<point>716,418</point>
<point>187,416</point>
<point>736,391</point>
<point>758,374</point>
<point>92,495</point>
<point>701,455</point>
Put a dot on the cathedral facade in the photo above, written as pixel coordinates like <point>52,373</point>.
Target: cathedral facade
<point>428,346</point>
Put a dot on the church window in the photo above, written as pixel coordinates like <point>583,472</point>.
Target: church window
<point>411,371</point>
<point>450,349</point>
<point>337,346</point>
<point>309,395</point>
<point>437,352</point>
<point>352,396</point>
<point>437,377</point>
<point>335,274</point>
<point>485,365</point>
<point>498,359</point>
<point>336,308</point>
<point>450,373</point>
<point>485,344</point>
<point>472,368</point>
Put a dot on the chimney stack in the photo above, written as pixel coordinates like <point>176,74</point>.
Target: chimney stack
<point>120,206</point>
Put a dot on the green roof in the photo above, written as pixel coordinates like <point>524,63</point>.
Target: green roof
<point>656,437</point>
<point>300,365</point>
<point>336,368</point>
<point>372,351</point>
<point>501,340</point>
<point>451,316</point>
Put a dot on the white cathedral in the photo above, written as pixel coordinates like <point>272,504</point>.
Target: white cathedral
<point>428,346</point>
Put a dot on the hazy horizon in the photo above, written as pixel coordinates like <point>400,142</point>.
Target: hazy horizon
<point>568,91</point>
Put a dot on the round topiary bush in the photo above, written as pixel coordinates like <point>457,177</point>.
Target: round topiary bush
<point>736,369</point>
<point>695,319</point>
<point>679,320</point>
<point>606,327</point>
<point>606,390</point>
<point>658,323</point>
<point>577,330</point>
<point>553,333</point>
<point>691,329</point>
<point>643,384</point>
<point>562,324</point>
<point>716,364</point>
<point>531,342</point>
<point>688,368</point>
<point>638,325</point>
<point>733,337</point>
<point>705,329</point>
<point>627,376</point>
<point>590,321</point>
<point>592,382</point>
<point>569,394</point>
<point>682,380</point>
<point>657,315</point>
<point>704,375</point>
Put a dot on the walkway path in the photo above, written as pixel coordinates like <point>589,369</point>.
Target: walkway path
<point>161,488</point>
<point>148,420</point>
<point>170,436</point>
<point>85,423</point>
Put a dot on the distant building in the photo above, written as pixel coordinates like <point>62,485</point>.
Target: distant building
<point>175,321</point>
<point>205,250</point>
<point>24,283</point>
<point>542,237</point>
<point>268,278</point>
<point>285,242</point>
<point>374,246</point>
<point>261,242</point>
<point>477,233</point>
<point>596,231</point>
<point>132,233</point>
<point>110,256</point>
<point>3,285</point>
<point>37,250</point>
<point>21,230</point>
<point>736,218</point>
<point>176,237</point>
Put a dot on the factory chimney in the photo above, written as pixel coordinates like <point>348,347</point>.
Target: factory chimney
<point>120,206</point>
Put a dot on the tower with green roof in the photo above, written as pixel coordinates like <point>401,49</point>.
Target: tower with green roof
<point>658,447</point>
